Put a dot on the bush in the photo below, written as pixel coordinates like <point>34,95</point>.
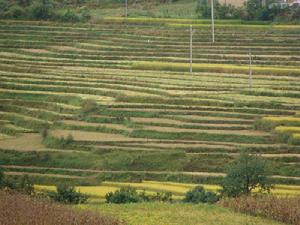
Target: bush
<point>21,184</point>
<point>163,197</point>
<point>41,10</point>
<point>45,132</point>
<point>68,195</point>
<point>15,12</point>
<point>89,106</point>
<point>222,11</point>
<point>199,195</point>
<point>84,14</point>
<point>69,16</point>
<point>63,143</point>
<point>124,195</point>
<point>245,174</point>
<point>130,195</point>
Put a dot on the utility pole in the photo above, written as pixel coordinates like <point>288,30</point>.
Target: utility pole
<point>212,21</point>
<point>126,9</point>
<point>250,69</point>
<point>191,49</point>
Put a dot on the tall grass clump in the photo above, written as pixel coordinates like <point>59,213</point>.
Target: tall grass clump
<point>16,209</point>
<point>283,209</point>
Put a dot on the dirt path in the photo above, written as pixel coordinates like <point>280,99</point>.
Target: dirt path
<point>280,155</point>
<point>41,175</point>
<point>206,174</point>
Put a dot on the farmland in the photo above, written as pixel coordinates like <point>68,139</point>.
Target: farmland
<point>112,104</point>
<point>123,94</point>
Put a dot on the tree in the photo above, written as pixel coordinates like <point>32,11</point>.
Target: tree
<point>245,174</point>
<point>1,178</point>
<point>203,9</point>
<point>41,10</point>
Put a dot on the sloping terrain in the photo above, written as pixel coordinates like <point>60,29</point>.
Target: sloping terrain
<point>153,119</point>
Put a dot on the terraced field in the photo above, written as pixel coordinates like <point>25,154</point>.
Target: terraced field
<point>118,103</point>
<point>97,193</point>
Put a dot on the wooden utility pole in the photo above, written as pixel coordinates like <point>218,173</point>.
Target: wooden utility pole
<point>126,9</point>
<point>191,49</point>
<point>212,21</point>
<point>250,69</point>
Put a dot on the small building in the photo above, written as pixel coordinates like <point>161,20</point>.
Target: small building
<point>284,3</point>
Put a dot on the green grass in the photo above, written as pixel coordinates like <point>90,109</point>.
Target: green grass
<point>176,214</point>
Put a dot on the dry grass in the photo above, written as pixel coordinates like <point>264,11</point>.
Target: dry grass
<point>285,210</point>
<point>26,142</point>
<point>93,136</point>
<point>35,50</point>
<point>17,209</point>
<point>197,130</point>
<point>4,136</point>
<point>88,124</point>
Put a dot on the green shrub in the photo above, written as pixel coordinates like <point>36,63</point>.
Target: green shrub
<point>84,14</point>
<point>261,124</point>
<point>89,106</point>
<point>199,195</point>
<point>163,196</point>
<point>15,12</point>
<point>45,132</point>
<point>68,16</point>
<point>68,195</point>
<point>73,16</point>
<point>124,195</point>
<point>282,137</point>
<point>41,10</point>
<point>4,5</point>
<point>21,184</point>
<point>222,11</point>
<point>53,142</point>
<point>130,195</point>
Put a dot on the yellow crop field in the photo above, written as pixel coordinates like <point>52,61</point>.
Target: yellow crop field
<point>281,119</point>
<point>151,187</point>
<point>296,136</point>
<point>288,129</point>
<point>197,67</point>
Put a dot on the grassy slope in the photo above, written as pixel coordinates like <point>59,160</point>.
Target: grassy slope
<point>194,117</point>
<point>179,9</point>
<point>177,214</point>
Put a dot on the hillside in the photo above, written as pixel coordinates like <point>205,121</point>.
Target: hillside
<point>115,101</point>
